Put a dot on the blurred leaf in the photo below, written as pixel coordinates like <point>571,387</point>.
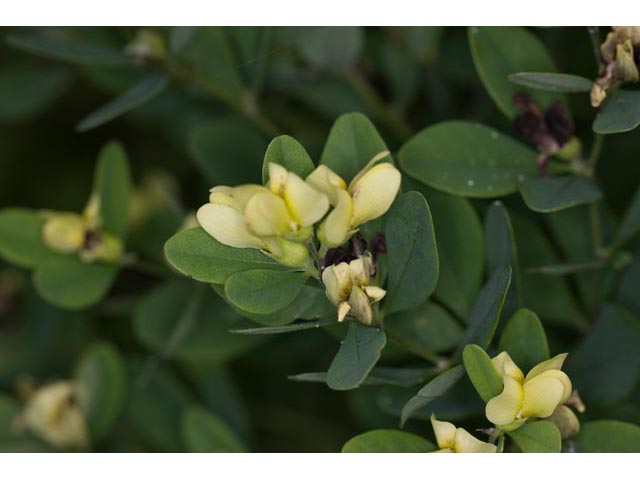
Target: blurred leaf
<point>482,372</point>
<point>113,187</point>
<point>28,89</point>
<point>197,254</point>
<point>630,224</point>
<point>557,193</point>
<point>620,113</point>
<point>459,240</point>
<point>537,437</point>
<point>628,287</point>
<point>9,410</point>
<point>180,320</point>
<point>608,436</point>
<point>138,95</point>
<point>387,441</point>
<point>283,329</point>
<point>524,339</point>
<point>287,151</point>
<point>500,51</point>
<point>203,432</point>
<point>227,150</point>
<point>333,49</point>
<point>552,82</point>
<point>423,330</point>
<point>500,250</point>
<point>353,141</point>
<point>264,291</point>
<point>358,354</point>
<point>401,377</point>
<point>73,51</point>
<point>21,239</point>
<point>68,282</point>
<point>329,97</point>
<point>606,366</point>
<point>486,311</point>
<point>412,255</point>
<point>102,378</point>
<point>431,391</point>
<point>467,159</point>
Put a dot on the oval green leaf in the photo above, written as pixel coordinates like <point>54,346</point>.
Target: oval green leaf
<point>102,378</point>
<point>387,441</point>
<point>552,82</point>
<point>264,291</point>
<point>557,193</point>
<point>21,239</point>
<point>620,113</point>
<point>412,256</point>
<point>467,159</point>
<point>608,436</point>
<point>482,373</point>
<point>358,354</point>
<point>524,338</point>
<point>113,186</point>
<point>288,152</point>
<point>537,437</point>
<point>204,432</point>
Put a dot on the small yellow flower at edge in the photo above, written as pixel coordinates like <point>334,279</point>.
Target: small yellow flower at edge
<point>457,440</point>
<point>537,395</point>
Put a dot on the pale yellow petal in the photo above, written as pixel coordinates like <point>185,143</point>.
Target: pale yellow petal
<point>374,193</point>
<point>374,293</point>
<point>223,197</point>
<point>360,306</point>
<point>467,443</point>
<point>543,393</point>
<point>286,252</point>
<point>243,193</point>
<point>360,270</point>
<point>306,205</point>
<point>335,230</point>
<point>337,282</point>
<point>506,366</point>
<point>227,225</point>
<point>554,363</point>
<point>267,215</point>
<point>343,310</point>
<point>370,164</point>
<point>504,409</point>
<point>64,232</point>
<point>445,433</point>
<point>326,181</point>
<point>277,178</point>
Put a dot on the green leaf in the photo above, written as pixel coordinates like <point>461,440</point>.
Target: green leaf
<point>608,436</point>
<point>358,354</point>
<point>630,224</point>
<point>459,240</point>
<point>113,187</point>
<point>149,88</point>
<point>431,391</point>
<point>68,282</point>
<point>557,193</point>
<point>288,152</point>
<point>424,330</point>
<point>412,257</point>
<point>227,150</point>
<point>264,291</point>
<point>27,90</point>
<point>620,113</point>
<point>204,432</point>
<point>552,82</point>
<point>467,159</point>
<point>627,293</point>
<point>399,377</point>
<point>482,372</point>
<point>501,51</point>
<point>21,239</point>
<point>198,255</point>
<point>102,378</point>
<point>9,410</point>
<point>180,320</point>
<point>296,327</point>
<point>537,437</point>
<point>328,48</point>
<point>353,141</point>
<point>387,441</point>
<point>606,366</point>
<point>486,311</point>
<point>524,338</point>
<point>79,52</point>
<point>500,250</point>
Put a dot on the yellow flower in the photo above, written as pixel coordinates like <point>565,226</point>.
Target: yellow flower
<point>81,234</point>
<point>368,196</point>
<point>347,286</point>
<point>276,218</point>
<point>535,396</point>
<point>457,440</point>
<point>54,414</point>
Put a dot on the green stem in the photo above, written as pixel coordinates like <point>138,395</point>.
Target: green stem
<point>390,117</point>
<point>594,214</point>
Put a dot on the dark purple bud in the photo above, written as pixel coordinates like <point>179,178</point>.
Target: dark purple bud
<point>559,123</point>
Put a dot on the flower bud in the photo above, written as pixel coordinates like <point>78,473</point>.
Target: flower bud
<point>566,421</point>
<point>64,232</point>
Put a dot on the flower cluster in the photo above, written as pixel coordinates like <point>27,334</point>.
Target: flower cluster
<point>67,232</point>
